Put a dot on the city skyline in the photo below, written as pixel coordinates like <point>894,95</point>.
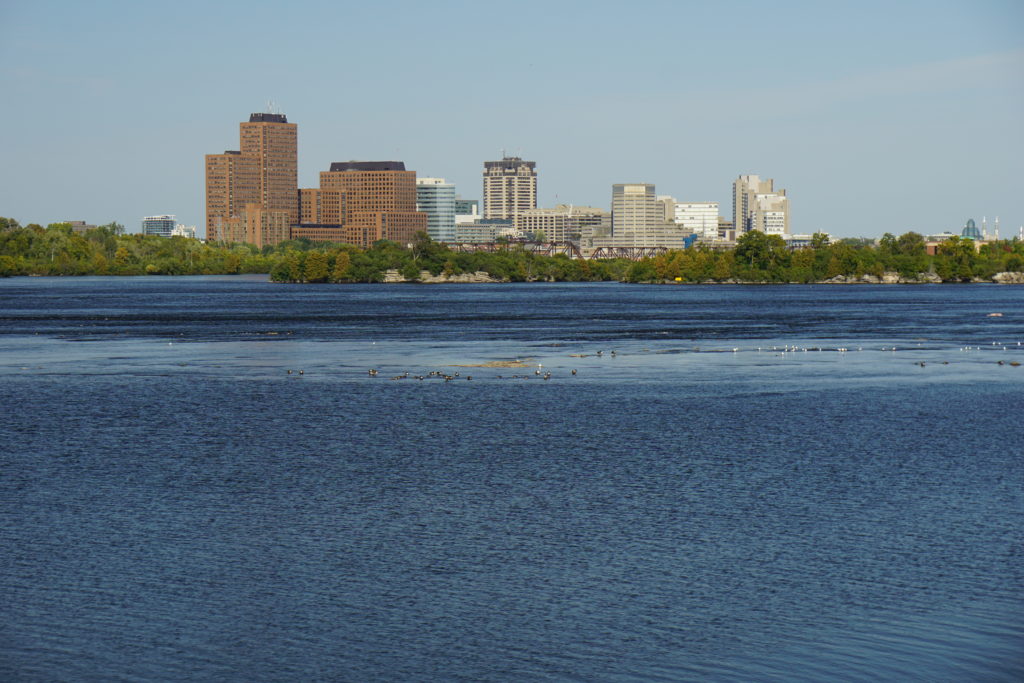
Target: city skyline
<point>874,117</point>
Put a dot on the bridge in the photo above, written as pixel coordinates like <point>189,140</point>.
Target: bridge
<point>565,248</point>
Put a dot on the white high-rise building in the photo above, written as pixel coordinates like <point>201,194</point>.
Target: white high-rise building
<point>436,198</point>
<point>188,231</point>
<point>700,218</point>
<point>510,186</point>
<point>756,205</point>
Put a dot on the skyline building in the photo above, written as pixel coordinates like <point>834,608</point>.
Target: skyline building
<point>700,218</point>
<point>635,207</point>
<point>252,193</point>
<point>756,205</point>
<point>638,220</point>
<point>563,223</point>
<point>162,226</point>
<point>361,202</point>
<point>436,198</point>
<point>186,231</point>
<point>510,187</point>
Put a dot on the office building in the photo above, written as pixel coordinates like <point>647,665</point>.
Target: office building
<point>700,218</point>
<point>361,202</point>
<point>637,220</point>
<point>635,209</point>
<point>466,207</point>
<point>510,187</point>
<point>436,198</point>
<point>484,231</point>
<point>564,223</point>
<point>253,191</point>
<point>758,206</point>
<point>186,231</point>
<point>161,226</point>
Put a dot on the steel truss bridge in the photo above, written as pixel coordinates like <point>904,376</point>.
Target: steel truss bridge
<point>565,248</point>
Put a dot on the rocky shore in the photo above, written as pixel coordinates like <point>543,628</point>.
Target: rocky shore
<point>887,278</point>
<point>892,278</point>
<point>479,277</point>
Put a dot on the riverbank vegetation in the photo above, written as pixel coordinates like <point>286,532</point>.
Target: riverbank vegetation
<point>107,250</point>
<point>765,258</point>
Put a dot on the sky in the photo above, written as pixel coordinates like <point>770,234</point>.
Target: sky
<point>873,116</point>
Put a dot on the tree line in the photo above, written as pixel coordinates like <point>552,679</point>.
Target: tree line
<point>107,250</point>
<point>757,257</point>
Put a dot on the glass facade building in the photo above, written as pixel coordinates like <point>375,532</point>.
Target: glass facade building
<point>436,198</point>
<point>158,225</point>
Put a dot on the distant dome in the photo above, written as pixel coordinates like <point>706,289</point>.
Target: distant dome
<point>971,231</point>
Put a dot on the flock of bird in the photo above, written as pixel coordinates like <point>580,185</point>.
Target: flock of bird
<point>779,351</point>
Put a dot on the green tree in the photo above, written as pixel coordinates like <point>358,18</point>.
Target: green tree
<point>342,263</point>
<point>411,272</point>
<point>762,252</point>
<point>819,240</point>
<point>315,269</point>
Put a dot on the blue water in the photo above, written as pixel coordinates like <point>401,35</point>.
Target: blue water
<point>706,503</point>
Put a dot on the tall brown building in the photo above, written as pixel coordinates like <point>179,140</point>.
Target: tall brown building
<point>252,194</point>
<point>360,202</point>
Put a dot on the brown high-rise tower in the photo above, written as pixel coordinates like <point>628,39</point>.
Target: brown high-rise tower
<point>252,194</point>
<point>360,202</point>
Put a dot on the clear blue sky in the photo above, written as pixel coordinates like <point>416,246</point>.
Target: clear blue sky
<point>874,116</point>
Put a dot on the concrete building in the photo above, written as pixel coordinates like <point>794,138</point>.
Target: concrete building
<point>361,202</point>
<point>637,220</point>
<point>436,198</point>
<point>484,231</point>
<point>162,226</point>
<point>726,230</point>
<point>564,223</point>
<point>700,218</point>
<point>187,231</point>
<point>467,207</point>
<point>635,208</point>
<point>467,211</point>
<point>756,205</point>
<point>510,187</point>
<point>252,191</point>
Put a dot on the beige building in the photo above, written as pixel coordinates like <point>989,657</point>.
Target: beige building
<point>564,223</point>
<point>756,205</point>
<point>252,192</point>
<point>510,187</point>
<point>637,220</point>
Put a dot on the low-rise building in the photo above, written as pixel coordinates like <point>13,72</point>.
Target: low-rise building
<point>161,226</point>
<point>564,223</point>
<point>78,227</point>
<point>188,231</point>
